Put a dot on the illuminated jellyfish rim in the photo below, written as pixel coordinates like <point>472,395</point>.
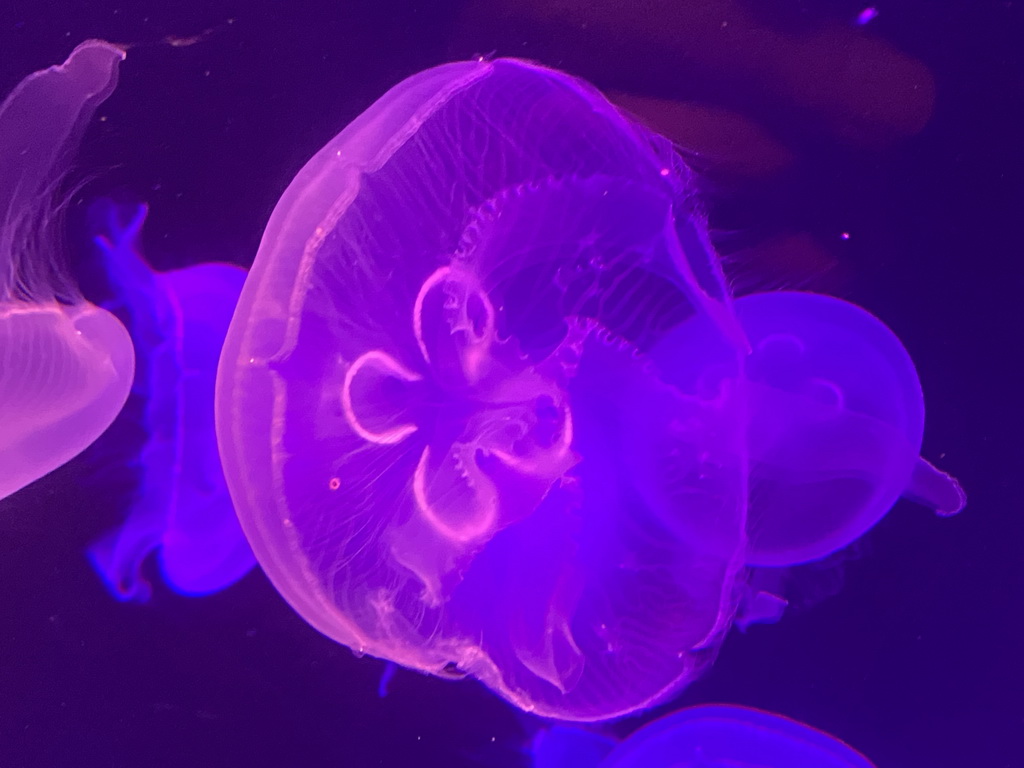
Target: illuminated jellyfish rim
<point>259,344</point>
<point>731,715</point>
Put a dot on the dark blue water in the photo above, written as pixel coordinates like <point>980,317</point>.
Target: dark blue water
<point>842,174</point>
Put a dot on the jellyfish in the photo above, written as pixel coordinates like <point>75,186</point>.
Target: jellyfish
<point>418,401</point>
<point>181,508</point>
<point>835,421</point>
<point>706,736</point>
<point>66,365</point>
<point>445,410</point>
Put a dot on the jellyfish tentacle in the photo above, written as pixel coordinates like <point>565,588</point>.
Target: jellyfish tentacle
<point>935,489</point>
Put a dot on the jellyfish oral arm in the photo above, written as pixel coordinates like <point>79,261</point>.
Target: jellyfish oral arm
<point>933,488</point>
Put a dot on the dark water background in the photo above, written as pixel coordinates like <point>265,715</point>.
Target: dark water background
<point>916,660</point>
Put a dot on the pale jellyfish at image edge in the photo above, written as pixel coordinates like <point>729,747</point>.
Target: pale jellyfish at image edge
<point>447,408</point>
<point>181,507</point>
<point>66,366</point>
<point>706,736</point>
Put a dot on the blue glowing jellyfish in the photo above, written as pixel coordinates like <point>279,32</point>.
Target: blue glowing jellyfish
<point>182,508</point>
<point>567,746</point>
<point>66,366</point>
<point>835,422</point>
<point>454,423</point>
<point>708,736</point>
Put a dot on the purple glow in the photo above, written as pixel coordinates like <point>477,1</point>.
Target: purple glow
<point>182,508</point>
<point>867,15</point>
<point>486,406</point>
<point>386,676</point>
<point>65,365</point>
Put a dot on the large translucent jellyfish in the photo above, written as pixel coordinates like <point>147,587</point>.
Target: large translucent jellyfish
<point>441,405</point>
<point>181,508</point>
<point>419,405</point>
<point>707,736</point>
<point>65,365</point>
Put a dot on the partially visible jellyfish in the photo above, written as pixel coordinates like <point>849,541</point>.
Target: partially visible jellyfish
<point>66,366</point>
<point>835,421</point>
<point>181,507</point>
<point>707,736</point>
<point>449,414</point>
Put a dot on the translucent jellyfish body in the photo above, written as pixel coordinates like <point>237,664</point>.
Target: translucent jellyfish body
<point>419,406</point>
<point>709,736</point>
<point>181,508</point>
<point>446,409</point>
<point>66,366</point>
<point>835,421</point>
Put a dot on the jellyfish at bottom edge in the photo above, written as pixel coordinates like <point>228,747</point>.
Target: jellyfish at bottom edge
<point>181,508</point>
<point>706,736</point>
<point>835,421</point>
<point>561,746</point>
<point>66,366</point>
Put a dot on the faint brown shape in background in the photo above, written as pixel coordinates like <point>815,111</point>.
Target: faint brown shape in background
<point>863,89</point>
<point>711,136</point>
<point>791,261</point>
<point>738,91</point>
